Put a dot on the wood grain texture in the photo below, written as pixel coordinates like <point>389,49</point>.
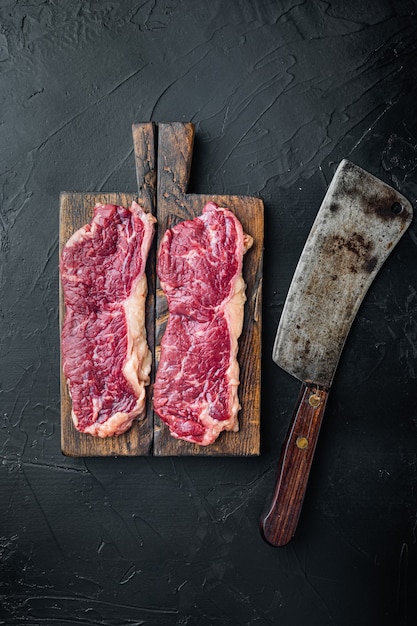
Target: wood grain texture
<point>175,144</point>
<point>280,519</point>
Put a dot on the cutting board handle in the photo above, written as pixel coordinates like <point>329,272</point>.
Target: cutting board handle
<point>144,146</point>
<point>280,519</point>
<point>175,150</point>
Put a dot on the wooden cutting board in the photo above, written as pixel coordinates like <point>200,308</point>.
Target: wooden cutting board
<point>168,200</point>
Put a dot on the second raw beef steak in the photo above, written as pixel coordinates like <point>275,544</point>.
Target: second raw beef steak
<point>200,269</point>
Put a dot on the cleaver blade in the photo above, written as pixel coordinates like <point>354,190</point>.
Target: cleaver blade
<point>360,221</point>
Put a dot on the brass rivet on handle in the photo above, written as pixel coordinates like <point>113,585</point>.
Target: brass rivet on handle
<point>314,400</point>
<point>302,443</point>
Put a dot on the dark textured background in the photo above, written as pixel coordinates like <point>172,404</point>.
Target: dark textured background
<point>279,92</point>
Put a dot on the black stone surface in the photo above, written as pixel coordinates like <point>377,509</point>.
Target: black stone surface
<point>279,92</point>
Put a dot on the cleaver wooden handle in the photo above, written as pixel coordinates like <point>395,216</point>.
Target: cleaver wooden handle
<point>280,520</point>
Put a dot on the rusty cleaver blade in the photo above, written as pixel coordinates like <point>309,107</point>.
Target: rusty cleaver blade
<point>359,222</point>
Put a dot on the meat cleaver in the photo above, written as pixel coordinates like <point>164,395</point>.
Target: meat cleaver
<point>359,222</point>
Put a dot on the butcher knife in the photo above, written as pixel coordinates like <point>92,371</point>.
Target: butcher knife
<point>359,222</point>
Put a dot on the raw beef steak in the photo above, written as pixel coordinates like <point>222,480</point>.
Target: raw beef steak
<point>105,356</point>
<point>200,269</point>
